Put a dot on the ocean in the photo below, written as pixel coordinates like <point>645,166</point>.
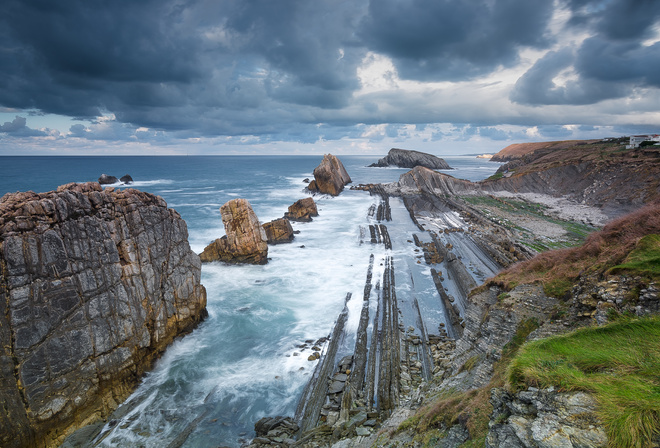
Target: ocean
<point>247,359</point>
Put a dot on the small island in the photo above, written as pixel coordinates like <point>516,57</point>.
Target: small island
<point>404,158</point>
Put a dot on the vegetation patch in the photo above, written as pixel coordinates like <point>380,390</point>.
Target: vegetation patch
<point>644,259</point>
<point>619,363</point>
<point>628,245</point>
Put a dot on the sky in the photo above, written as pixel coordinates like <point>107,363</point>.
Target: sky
<point>154,77</point>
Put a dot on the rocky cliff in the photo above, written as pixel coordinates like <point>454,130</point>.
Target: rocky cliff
<point>330,177</point>
<point>245,241</point>
<point>94,285</point>
<point>405,158</point>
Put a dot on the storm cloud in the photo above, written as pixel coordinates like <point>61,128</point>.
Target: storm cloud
<point>303,71</point>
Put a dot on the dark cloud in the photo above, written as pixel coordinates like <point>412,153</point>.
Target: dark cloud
<point>449,40</point>
<point>616,19</point>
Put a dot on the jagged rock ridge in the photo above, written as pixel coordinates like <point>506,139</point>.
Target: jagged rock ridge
<point>94,285</point>
<point>405,158</point>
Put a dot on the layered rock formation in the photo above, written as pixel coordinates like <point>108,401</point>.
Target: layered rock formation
<point>404,158</point>
<point>421,179</point>
<point>279,231</point>
<point>302,210</point>
<point>330,177</point>
<point>245,240</point>
<point>94,285</point>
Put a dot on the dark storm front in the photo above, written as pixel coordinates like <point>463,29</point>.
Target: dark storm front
<point>249,359</point>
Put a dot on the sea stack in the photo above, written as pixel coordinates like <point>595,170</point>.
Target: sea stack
<point>245,240</point>
<point>279,231</point>
<point>404,158</point>
<point>94,285</point>
<point>302,210</point>
<point>330,176</point>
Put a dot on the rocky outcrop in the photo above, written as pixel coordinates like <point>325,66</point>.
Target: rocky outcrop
<point>94,285</point>
<point>279,231</point>
<point>245,240</point>
<point>404,158</point>
<point>302,210</point>
<point>126,179</point>
<point>544,418</point>
<point>425,180</point>
<point>107,180</point>
<point>330,177</point>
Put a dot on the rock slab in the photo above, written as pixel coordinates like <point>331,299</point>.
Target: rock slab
<point>245,240</point>
<point>94,284</point>
<point>405,158</point>
<point>302,210</point>
<point>279,231</point>
<point>330,177</point>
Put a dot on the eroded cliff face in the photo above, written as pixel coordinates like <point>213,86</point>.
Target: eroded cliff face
<point>94,285</point>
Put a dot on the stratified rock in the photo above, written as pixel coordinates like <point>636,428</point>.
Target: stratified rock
<point>94,285</point>
<point>278,231</point>
<point>245,241</point>
<point>127,179</point>
<point>404,158</point>
<point>330,176</point>
<point>425,180</point>
<point>302,210</point>
<point>107,180</point>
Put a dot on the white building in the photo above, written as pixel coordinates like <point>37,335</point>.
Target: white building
<point>636,140</point>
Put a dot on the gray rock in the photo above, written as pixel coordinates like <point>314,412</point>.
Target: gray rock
<point>97,284</point>
<point>404,158</point>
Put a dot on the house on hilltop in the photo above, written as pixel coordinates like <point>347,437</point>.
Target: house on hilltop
<point>636,140</point>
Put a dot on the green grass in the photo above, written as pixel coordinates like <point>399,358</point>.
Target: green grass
<point>619,363</point>
<point>644,258</point>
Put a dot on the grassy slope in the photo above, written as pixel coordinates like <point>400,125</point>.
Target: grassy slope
<point>622,246</point>
<point>619,363</point>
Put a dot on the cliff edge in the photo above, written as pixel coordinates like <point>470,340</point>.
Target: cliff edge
<point>94,285</point>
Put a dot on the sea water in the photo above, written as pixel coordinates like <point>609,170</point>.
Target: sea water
<point>247,359</point>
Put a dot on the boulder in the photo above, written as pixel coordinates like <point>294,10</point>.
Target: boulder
<point>107,180</point>
<point>95,284</point>
<point>245,241</point>
<point>278,231</point>
<point>302,210</point>
<point>404,158</point>
<point>330,176</point>
<point>127,179</point>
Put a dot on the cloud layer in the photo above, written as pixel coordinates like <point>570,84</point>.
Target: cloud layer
<point>301,71</point>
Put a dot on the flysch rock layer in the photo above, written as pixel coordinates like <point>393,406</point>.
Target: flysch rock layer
<point>405,158</point>
<point>245,240</point>
<point>94,285</point>
<point>330,177</point>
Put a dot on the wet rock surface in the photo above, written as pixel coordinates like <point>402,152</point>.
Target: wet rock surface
<point>405,158</point>
<point>302,210</point>
<point>330,177</point>
<point>95,284</point>
<point>279,231</point>
<point>245,240</point>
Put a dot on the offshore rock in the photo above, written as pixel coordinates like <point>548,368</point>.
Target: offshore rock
<point>245,241</point>
<point>330,176</point>
<point>107,180</point>
<point>404,158</point>
<point>94,284</point>
<point>126,178</point>
<point>279,231</point>
<point>302,210</point>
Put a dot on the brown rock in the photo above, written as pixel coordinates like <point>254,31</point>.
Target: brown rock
<point>245,241</point>
<point>94,285</point>
<point>330,176</point>
<point>302,210</point>
<point>279,231</point>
